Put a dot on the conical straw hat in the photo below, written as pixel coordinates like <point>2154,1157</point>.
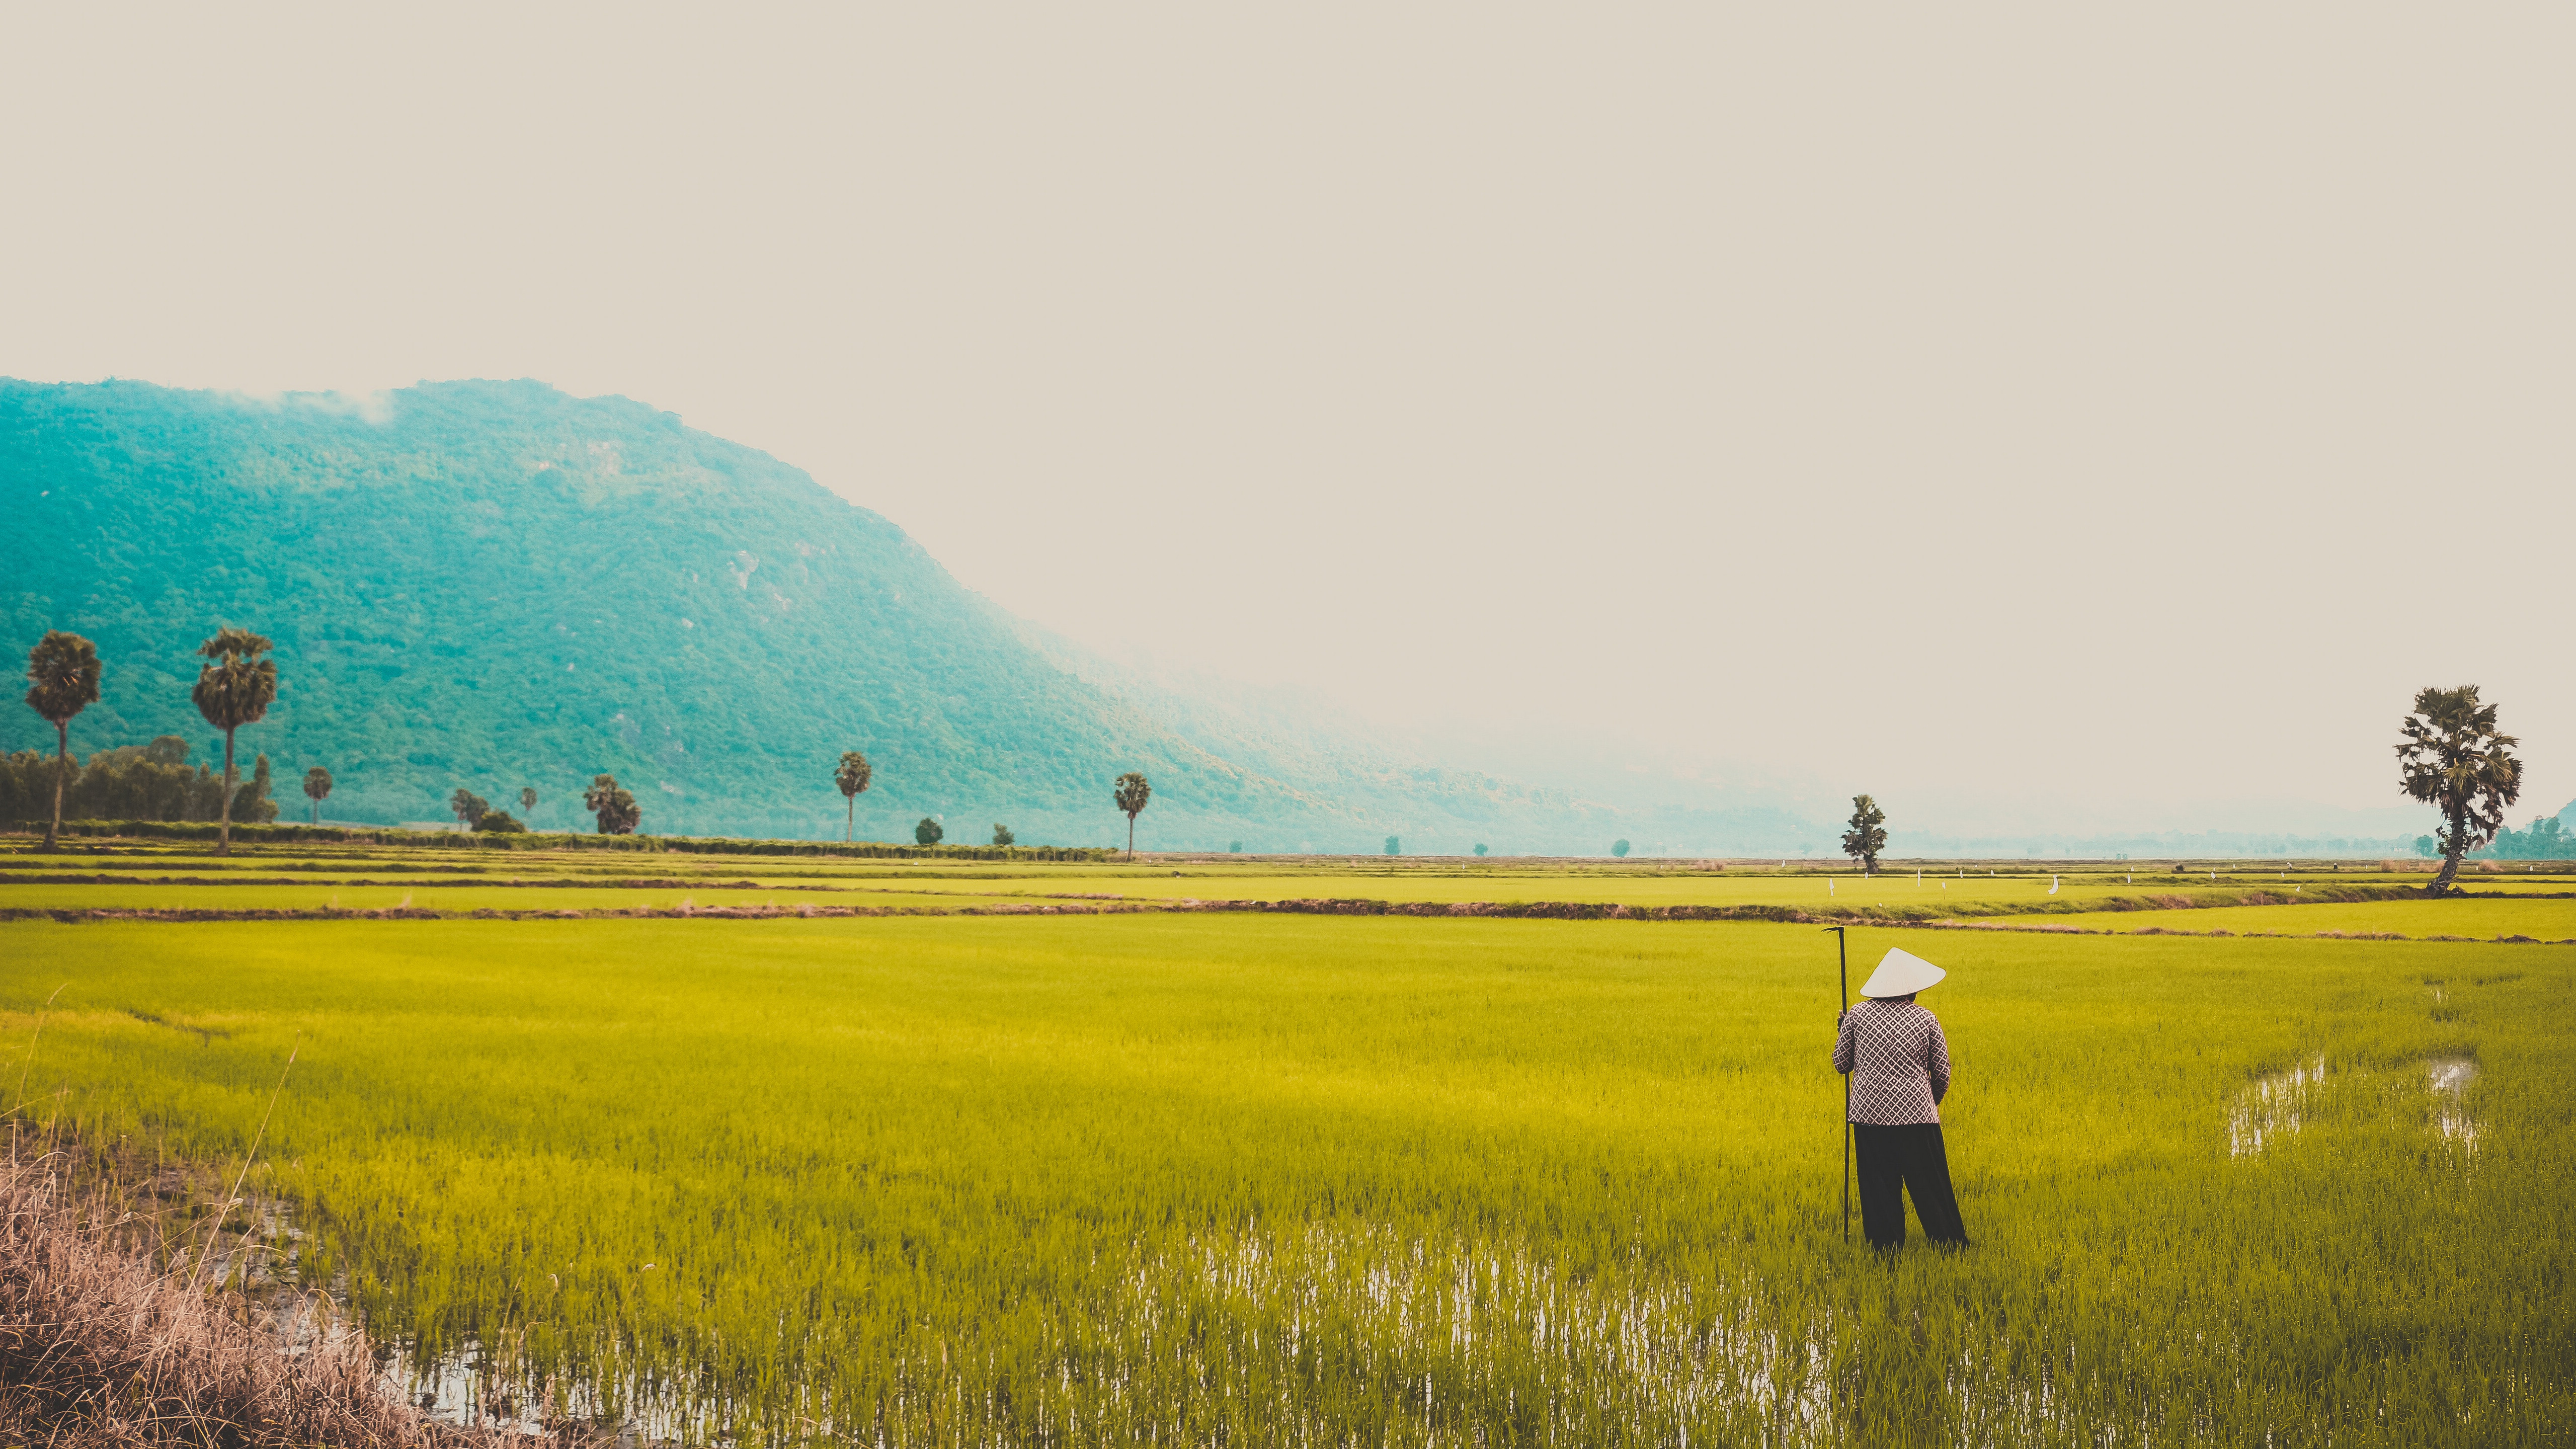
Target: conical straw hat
<point>1901,973</point>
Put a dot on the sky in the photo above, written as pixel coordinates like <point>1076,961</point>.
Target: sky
<point>2040,416</point>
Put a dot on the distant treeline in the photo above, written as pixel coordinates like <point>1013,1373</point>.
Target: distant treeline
<point>290,833</point>
<point>135,782</point>
<point>2547,838</point>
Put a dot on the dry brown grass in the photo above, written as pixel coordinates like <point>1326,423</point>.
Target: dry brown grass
<point>98,1348</point>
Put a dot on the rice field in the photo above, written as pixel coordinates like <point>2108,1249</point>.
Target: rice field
<point>2482,920</point>
<point>1259,1179</point>
<point>1918,891</point>
<point>2317,898</point>
<point>461,896</point>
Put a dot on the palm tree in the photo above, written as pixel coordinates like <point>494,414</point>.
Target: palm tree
<point>317,788</point>
<point>62,678</point>
<point>1131,796</point>
<point>852,777</point>
<point>1865,839</point>
<point>234,688</point>
<point>2453,760</point>
<point>614,804</point>
<point>528,798</point>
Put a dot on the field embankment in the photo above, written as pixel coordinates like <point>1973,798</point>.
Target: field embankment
<point>393,837</point>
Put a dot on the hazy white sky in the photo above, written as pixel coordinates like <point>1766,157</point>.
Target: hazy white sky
<point>2137,407</point>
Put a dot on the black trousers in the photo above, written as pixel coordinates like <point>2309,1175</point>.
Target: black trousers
<point>1913,1159</point>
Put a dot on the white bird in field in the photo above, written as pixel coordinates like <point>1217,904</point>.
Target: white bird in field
<point>2052,885</point>
<point>1829,885</point>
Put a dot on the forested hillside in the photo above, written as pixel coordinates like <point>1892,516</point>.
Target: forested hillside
<point>495,585</point>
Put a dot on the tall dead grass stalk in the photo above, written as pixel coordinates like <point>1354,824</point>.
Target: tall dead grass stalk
<point>233,1198</point>
<point>38,1035</point>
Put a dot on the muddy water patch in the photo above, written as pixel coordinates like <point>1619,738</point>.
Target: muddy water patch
<point>250,1246</point>
<point>2448,1078</point>
<point>2273,1107</point>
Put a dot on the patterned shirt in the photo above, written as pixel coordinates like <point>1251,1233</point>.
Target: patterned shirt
<point>1898,1060</point>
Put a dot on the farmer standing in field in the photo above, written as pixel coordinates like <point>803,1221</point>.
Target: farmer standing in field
<point>1899,1064</point>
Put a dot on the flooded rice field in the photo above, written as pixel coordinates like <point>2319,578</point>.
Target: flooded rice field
<point>1225,1180</point>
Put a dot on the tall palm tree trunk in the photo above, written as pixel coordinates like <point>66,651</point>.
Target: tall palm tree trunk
<point>62,770</point>
<point>850,828</point>
<point>2456,847</point>
<point>226,847</point>
<point>1131,838</point>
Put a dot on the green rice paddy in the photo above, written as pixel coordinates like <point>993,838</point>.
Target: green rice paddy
<point>1263,1179</point>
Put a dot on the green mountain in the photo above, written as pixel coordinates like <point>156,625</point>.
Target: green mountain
<point>495,585</point>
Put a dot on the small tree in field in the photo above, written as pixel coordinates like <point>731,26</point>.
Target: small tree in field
<point>1002,834</point>
<point>1865,839</point>
<point>528,799</point>
<point>1132,794</point>
<point>1480,847</point>
<point>317,788</point>
<point>927,832</point>
<point>1394,845</point>
<point>62,680</point>
<point>1235,849</point>
<point>2454,760</point>
<point>468,807</point>
<point>852,778</point>
<point>251,802</point>
<point>1619,848</point>
<point>613,804</point>
<point>234,688</point>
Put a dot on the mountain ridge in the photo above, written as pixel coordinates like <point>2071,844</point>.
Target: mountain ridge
<point>490,584</point>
